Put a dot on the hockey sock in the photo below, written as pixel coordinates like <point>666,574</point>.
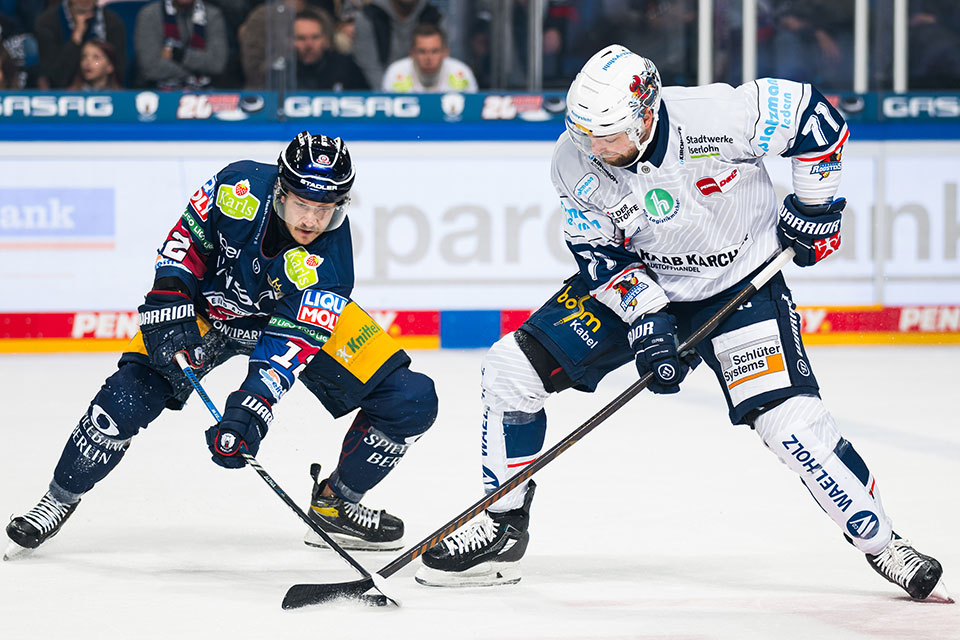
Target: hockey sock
<point>88,456</point>
<point>510,441</point>
<point>129,399</point>
<point>514,422</point>
<point>805,438</point>
<point>366,457</point>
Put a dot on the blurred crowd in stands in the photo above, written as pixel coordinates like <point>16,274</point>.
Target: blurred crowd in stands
<point>443,45</point>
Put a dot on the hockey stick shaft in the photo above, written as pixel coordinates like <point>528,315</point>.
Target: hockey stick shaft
<point>772,268</point>
<point>195,383</point>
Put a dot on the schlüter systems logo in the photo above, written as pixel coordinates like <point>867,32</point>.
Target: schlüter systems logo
<point>77,218</point>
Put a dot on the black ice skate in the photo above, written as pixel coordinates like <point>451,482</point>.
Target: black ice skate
<point>916,573</point>
<point>352,525</point>
<point>485,553</point>
<point>38,525</point>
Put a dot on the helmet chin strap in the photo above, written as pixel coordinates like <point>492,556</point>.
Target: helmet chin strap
<point>634,135</point>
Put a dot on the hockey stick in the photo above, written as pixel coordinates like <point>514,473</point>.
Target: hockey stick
<point>321,593</point>
<point>301,593</point>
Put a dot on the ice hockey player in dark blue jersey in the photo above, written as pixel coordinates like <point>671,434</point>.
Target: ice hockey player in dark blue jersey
<point>259,264</point>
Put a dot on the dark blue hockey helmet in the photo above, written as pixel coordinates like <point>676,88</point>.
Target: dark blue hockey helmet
<point>316,168</point>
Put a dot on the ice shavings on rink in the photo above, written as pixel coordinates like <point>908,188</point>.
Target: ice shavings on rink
<point>665,522</point>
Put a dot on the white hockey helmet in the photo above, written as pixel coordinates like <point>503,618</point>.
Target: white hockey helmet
<point>611,94</point>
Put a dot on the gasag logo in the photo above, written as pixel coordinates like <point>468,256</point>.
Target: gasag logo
<point>321,308</point>
<point>660,206</point>
<point>301,267</point>
<point>236,201</point>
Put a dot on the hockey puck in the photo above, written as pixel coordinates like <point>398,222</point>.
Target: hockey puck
<point>375,600</point>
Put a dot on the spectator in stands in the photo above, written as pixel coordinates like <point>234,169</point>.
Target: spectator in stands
<point>813,42</point>
<point>12,43</point>
<point>8,71</point>
<point>429,67</point>
<point>320,67</point>
<point>98,68</point>
<point>384,33</point>
<point>181,44</point>
<point>934,57</point>
<point>252,36</point>
<point>24,13</point>
<point>63,28</point>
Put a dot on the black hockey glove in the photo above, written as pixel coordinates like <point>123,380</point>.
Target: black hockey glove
<point>244,424</point>
<point>168,324</point>
<point>654,341</point>
<point>812,230</point>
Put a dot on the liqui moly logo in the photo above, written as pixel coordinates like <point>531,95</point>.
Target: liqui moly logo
<point>321,309</point>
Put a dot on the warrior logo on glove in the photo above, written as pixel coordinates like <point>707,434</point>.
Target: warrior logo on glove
<point>666,372</point>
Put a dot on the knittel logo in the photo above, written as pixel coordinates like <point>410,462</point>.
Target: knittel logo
<point>660,206</point>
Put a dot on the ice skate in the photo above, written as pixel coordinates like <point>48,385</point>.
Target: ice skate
<point>484,553</point>
<point>29,531</point>
<point>352,525</point>
<point>918,575</point>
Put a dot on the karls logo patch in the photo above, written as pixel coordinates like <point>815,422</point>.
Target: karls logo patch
<point>321,309</point>
<point>301,267</point>
<point>660,206</point>
<point>236,201</point>
<point>719,184</point>
<point>200,200</point>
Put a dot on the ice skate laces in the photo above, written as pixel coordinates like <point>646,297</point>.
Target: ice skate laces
<point>48,513</point>
<point>364,516</point>
<point>476,536</point>
<point>899,561</point>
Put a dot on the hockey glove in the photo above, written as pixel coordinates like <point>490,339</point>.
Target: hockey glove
<point>168,324</point>
<point>812,230</point>
<point>654,341</point>
<point>244,424</point>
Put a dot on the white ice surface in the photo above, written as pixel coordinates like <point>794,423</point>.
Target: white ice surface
<point>665,522</point>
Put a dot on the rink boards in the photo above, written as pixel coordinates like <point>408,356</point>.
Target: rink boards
<point>466,329</point>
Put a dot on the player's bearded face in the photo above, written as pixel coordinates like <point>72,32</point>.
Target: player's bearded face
<point>618,150</point>
<point>305,219</point>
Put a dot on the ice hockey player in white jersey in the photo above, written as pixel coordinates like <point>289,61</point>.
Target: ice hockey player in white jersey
<point>669,213</point>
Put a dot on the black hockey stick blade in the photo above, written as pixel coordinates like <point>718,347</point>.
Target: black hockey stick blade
<point>302,595</point>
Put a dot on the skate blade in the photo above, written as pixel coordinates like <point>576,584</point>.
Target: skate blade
<point>940,594</point>
<point>16,552</point>
<point>349,543</point>
<point>486,574</point>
